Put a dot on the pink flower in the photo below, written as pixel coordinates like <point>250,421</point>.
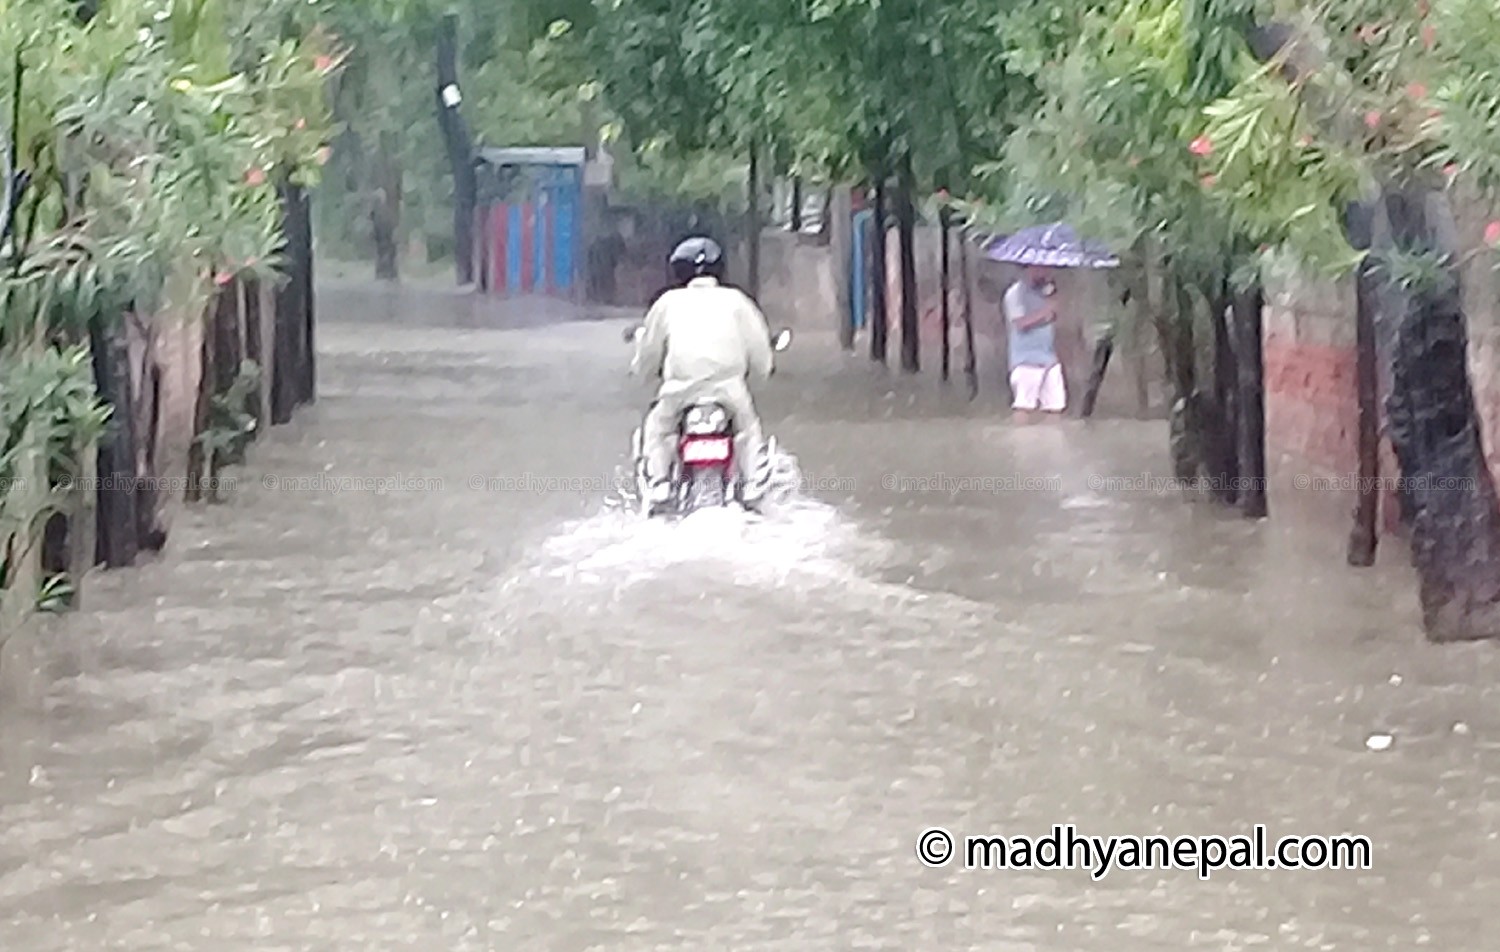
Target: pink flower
<point>1492,233</point>
<point>300,124</point>
<point>1451,169</point>
<point>256,176</point>
<point>223,278</point>
<point>1372,119</point>
<point>323,63</point>
<point>1305,142</point>
<point>1202,145</point>
<point>1209,180</point>
<point>1429,36</point>
<point>1416,91</point>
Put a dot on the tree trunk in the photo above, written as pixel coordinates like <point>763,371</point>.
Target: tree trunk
<point>1223,463</point>
<point>385,213</point>
<point>880,319</point>
<point>256,350</point>
<point>1456,517</point>
<point>1102,353</point>
<point>1176,331</point>
<point>945,229</point>
<point>227,357</point>
<point>83,522</point>
<point>284,358</point>
<point>1434,427</point>
<point>300,237</point>
<point>1138,278</point>
<point>268,352</point>
<point>55,551</point>
<point>1364,535</point>
<point>287,345</point>
<point>199,464</point>
<point>1250,365</point>
<point>796,209</point>
<point>753,222</point>
<point>971,363</point>
<point>906,220</point>
<point>841,249</point>
<point>460,148</point>
<point>118,540</point>
<point>223,328</point>
<point>145,382</point>
<point>1187,424</point>
<point>295,367</point>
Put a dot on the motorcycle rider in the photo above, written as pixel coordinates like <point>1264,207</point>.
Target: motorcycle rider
<point>704,339</point>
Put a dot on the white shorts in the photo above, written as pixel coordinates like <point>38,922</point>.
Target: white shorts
<point>1039,388</point>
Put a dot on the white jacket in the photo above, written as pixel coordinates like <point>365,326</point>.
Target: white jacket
<point>701,336</point>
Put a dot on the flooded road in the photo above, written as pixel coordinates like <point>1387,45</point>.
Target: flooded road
<point>475,710</point>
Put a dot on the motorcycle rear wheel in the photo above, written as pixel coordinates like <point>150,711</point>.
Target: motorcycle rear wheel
<point>707,488</point>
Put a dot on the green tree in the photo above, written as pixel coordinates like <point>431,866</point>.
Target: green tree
<point>152,139</point>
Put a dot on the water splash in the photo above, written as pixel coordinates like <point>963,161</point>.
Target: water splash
<point>783,486</point>
<point>792,539</point>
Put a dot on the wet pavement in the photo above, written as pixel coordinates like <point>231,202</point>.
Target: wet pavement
<point>475,710</point>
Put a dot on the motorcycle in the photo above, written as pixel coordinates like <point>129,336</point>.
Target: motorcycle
<point>705,474</point>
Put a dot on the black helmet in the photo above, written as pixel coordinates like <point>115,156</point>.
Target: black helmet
<point>696,257</point>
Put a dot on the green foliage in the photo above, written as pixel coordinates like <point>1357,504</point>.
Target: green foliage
<point>231,421</point>
<point>705,178</point>
<point>1465,36</point>
<point>1283,185</point>
<point>516,102</point>
<point>49,421</point>
<point>56,595</point>
<point>154,136</point>
<point>1113,137</point>
<point>1032,106</point>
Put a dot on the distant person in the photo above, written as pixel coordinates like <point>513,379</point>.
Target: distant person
<point>1036,375</point>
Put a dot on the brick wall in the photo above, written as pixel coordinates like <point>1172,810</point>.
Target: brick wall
<point>1311,407</point>
<point>1311,402</point>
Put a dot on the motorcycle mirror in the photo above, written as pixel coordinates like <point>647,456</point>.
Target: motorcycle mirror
<point>782,340</point>
<point>632,332</point>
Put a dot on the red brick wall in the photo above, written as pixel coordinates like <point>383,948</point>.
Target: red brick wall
<point>1309,351</point>
<point>1311,408</point>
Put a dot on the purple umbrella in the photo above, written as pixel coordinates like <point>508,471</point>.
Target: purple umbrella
<point>1050,246</point>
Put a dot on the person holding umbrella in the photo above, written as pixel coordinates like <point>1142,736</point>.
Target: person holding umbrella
<point>1036,374</point>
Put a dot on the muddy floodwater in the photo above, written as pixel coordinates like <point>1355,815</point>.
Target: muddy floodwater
<point>414,686</point>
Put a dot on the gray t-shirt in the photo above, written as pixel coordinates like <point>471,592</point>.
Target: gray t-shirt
<point>1034,347</point>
